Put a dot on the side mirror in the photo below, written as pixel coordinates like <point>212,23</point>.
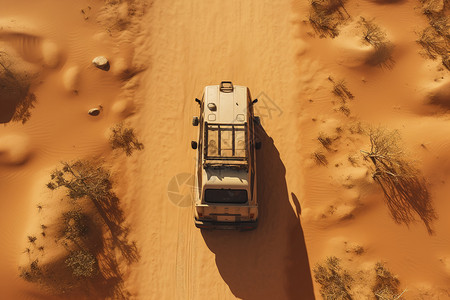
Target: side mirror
<point>254,101</point>
<point>195,121</point>
<point>198,101</point>
<point>194,145</point>
<point>258,145</point>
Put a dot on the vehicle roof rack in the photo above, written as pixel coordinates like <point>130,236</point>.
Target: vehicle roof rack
<point>226,87</point>
<point>226,142</point>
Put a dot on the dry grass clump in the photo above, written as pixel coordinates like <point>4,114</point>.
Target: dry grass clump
<point>320,158</point>
<point>326,15</point>
<point>340,89</point>
<point>404,187</point>
<point>345,110</point>
<point>373,35</point>
<point>124,138</point>
<point>82,263</point>
<point>325,140</point>
<point>31,272</point>
<point>435,39</point>
<point>353,159</point>
<point>335,282</point>
<point>387,285</point>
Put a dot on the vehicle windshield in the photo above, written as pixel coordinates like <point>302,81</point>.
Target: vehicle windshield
<point>225,196</point>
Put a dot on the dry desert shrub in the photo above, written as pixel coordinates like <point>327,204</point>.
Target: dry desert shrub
<point>82,263</point>
<point>75,224</point>
<point>403,185</point>
<point>124,138</point>
<point>86,178</point>
<point>320,158</point>
<point>326,15</point>
<point>341,90</point>
<point>433,44</point>
<point>345,110</point>
<point>435,39</point>
<point>325,140</point>
<point>82,178</point>
<point>373,35</point>
<point>90,235</point>
<point>31,272</point>
<point>387,286</point>
<point>335,282</point>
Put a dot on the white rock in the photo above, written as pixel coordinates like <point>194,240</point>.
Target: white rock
<point>101,62</point>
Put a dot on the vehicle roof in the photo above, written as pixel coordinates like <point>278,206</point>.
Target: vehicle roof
<point>231,107</point>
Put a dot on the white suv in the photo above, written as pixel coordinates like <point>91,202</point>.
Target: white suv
<point>225,178</point>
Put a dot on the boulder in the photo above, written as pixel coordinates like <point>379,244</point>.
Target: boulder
<point>94,111</point>
<point>101,62</point>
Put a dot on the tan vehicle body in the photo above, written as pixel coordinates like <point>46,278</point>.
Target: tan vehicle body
<point>225,176</point>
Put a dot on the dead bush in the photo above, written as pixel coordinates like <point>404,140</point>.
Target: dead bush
<point>386,284</point>
<point>404,187</point>
<point>124,138</point>
<point>320,158</point>
<point>435,39</point>
<point>324,140</point>
<point>345,110</point>
<point>335,282</point>
<point>32,272</point>
<point>433,44</point>
<point>340,89</point>
<point>82,178</point>
<point>326,15</point>
<point>373,35</point>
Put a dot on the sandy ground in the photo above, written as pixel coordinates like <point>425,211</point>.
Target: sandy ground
<point>307,212</point>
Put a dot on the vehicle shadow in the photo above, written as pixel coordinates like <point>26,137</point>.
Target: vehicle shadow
<point>270,262</point>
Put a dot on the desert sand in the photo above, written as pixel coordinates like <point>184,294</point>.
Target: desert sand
<point>319,96</point>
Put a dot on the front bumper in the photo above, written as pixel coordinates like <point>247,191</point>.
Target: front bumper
<point>242,225</point>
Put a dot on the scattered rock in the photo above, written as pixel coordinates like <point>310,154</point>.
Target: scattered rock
<point>101,62</point>
<point>95,111</point>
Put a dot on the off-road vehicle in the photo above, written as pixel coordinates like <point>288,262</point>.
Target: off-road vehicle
<point>225,173</point>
